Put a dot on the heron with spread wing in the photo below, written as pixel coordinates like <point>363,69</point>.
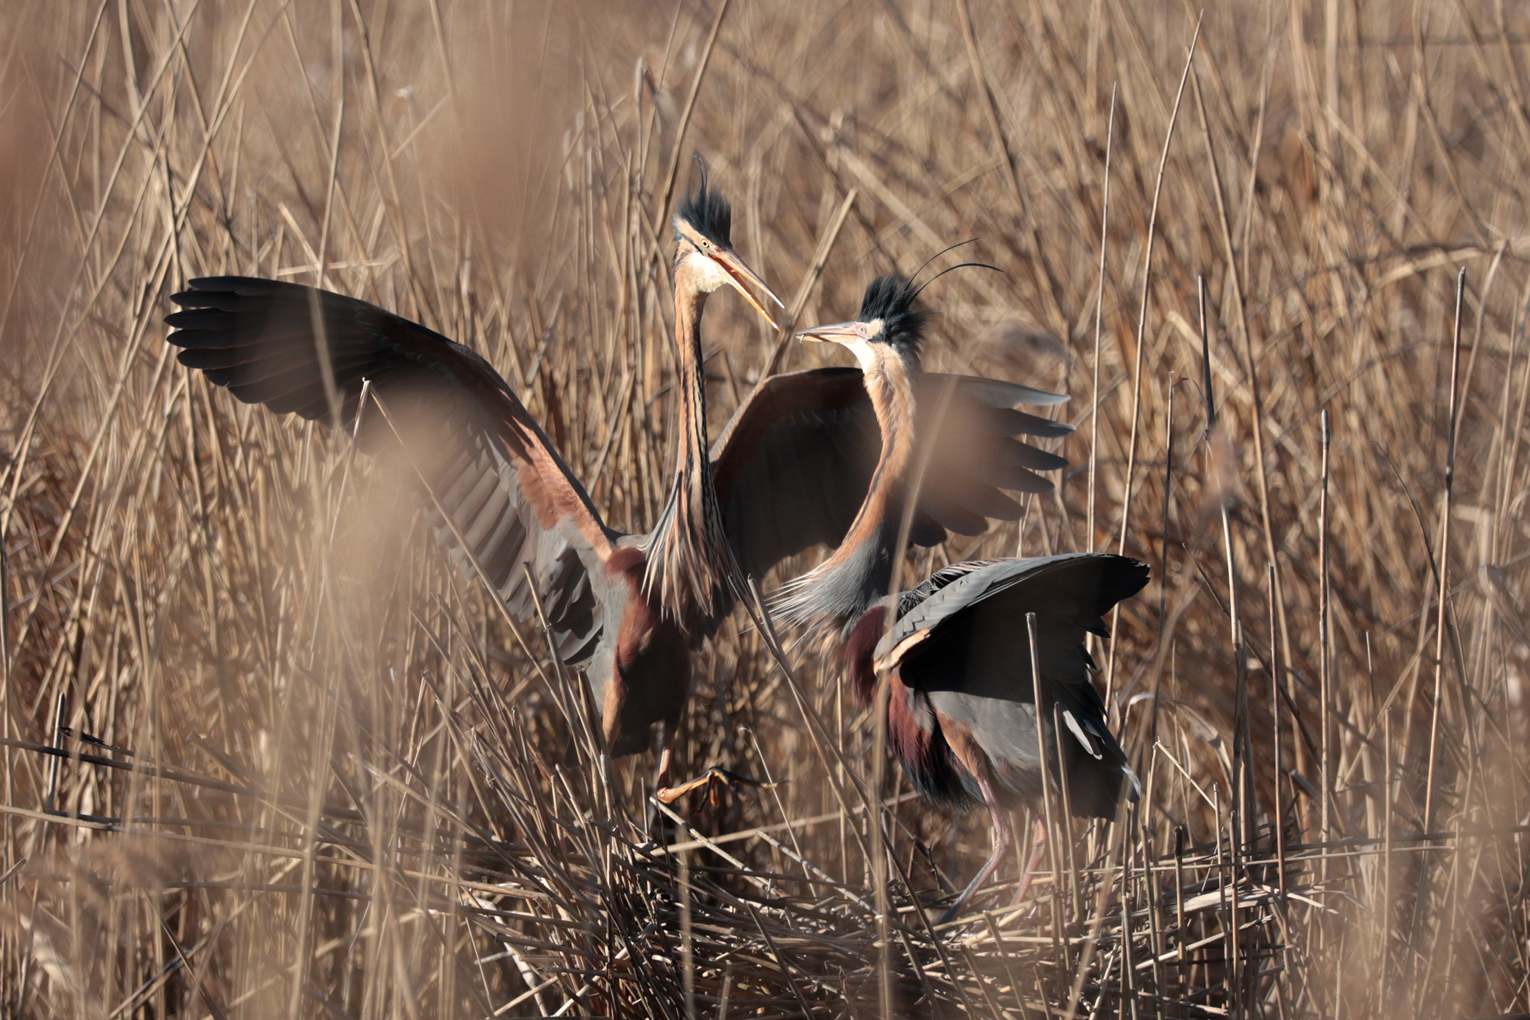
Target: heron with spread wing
<point>788,473</point>
<point>627,609</point>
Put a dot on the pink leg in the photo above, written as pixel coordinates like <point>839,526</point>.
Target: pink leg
<point>1038,848</point>
<point>661,778</point>
<point>1001,841</point>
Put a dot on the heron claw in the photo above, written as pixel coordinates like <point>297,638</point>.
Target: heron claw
<point>709,780</point>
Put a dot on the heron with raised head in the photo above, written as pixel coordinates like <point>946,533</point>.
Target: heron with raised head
<point>627,609</point>
<point>963,689</point>
<point>789,471</point>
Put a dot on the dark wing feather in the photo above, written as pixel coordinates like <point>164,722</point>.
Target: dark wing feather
<point>1079,587</point>
<point>487,463</point>
<point>962,640</point>
<point>973,452</point>
<point>793,465</point>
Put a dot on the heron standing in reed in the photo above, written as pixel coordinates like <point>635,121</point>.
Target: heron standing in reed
<point>626,609</point>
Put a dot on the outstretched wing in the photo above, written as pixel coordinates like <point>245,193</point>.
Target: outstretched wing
<point>793,465</point>
<point>1073,588</point>
<point>504,490</point>
<point>963,641</point>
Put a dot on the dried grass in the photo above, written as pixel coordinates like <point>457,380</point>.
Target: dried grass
<point>333,783</point>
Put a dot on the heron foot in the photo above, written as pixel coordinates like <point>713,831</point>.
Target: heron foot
<point>712,780</point>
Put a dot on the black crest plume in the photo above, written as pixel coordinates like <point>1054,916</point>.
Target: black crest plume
<point>891,299</point>
<point>707,211</point>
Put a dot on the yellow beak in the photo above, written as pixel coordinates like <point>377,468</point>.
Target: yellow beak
<point>837,333</point>
<point>742,277</point>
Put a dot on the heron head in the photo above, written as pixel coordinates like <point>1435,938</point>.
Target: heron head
<point>889,320</point>
<point>704,249</point>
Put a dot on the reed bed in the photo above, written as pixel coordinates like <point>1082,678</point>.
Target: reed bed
<point>266,754</point>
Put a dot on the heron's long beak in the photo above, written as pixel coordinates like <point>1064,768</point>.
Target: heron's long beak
<point>837,333</point>
<point>742,278</point>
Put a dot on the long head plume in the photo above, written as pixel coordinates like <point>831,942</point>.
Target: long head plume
<point>890,314</point>
<point>707,212</point>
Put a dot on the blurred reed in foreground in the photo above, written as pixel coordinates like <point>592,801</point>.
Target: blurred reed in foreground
<point>267,755</point>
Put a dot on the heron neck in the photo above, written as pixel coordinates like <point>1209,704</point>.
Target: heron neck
<point>691,455</point>
<point>688,562</point>
<point>858,574</point>
<point>881,514</point>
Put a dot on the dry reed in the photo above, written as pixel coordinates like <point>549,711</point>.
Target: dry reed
<point>265,754</point>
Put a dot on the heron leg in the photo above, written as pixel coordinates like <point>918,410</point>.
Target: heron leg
<point>1038,848</point>
<point>656,819</point>
<point>1002,837</point>
<point>666,748</point>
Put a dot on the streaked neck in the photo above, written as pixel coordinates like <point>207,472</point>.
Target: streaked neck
<point>688,560</point>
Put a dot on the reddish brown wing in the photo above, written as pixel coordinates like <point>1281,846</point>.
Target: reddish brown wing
<point>793,465</point>
<point>508,494</point>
